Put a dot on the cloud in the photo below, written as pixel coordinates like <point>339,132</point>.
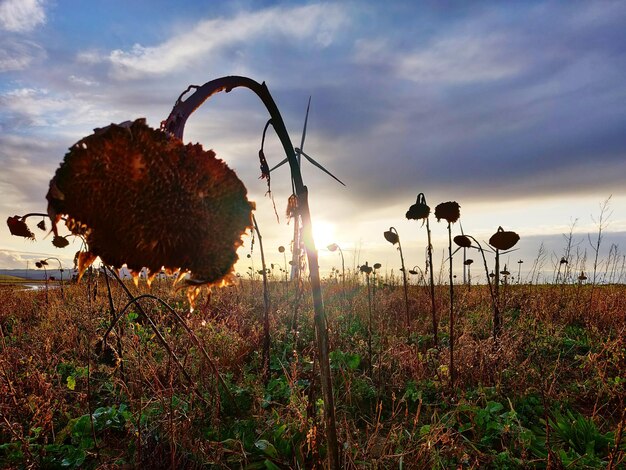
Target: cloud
<point>10,259</point>
<point>18,54</point>
<point>21,15</point>
<point>24,108</point>
<point>217,37</point>
<point>460,60</point>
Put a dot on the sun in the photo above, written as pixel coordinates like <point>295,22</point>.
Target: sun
<point>323,233</point>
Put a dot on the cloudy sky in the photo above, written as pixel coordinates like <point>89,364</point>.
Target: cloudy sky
<point>517,110</point>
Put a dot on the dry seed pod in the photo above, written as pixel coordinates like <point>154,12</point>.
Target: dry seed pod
<point>144,199</point>
<point>366,269</point>
<point>450,211</point>
<point>419,210</point>
<point>292,206</point>
<point>19,228</point>
<point>59,241</point>
<point>503,240</point>
<point>463,241</point>
<point>391,237</point>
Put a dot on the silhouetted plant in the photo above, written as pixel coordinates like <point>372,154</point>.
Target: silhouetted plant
<point>175,124</point>
<point>501,242</point>
<point>420,211</point>
<point>392,237</point>
<point>450,211</point>
<point>265,367</point>
<point>367,270</point>
<point>17,227</point>
<point>468,262</point>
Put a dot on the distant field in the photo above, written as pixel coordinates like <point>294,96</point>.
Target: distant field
<point>6,279</point>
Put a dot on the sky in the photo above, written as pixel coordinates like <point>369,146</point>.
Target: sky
<point>516,110</point>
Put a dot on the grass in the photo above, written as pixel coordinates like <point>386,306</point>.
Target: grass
<point>551,393</point>
<point>6,279</point>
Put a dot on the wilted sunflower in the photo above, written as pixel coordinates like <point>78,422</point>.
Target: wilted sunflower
<point>144,199</point>
<point>18,227</point>
<point>419,210</point>
<point>463,241</point>
<point>59,241</point>
<point>503,240</point>
<point>391,237</point>
<point>450,211</point>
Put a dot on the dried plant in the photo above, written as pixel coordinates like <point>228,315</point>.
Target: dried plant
<point>501,242</point>
<point>393,237</point>
<point>144,199</point>
<point>421,211</point>
<point>450,211</point>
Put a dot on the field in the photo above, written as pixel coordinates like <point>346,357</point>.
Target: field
<point>549,393</point>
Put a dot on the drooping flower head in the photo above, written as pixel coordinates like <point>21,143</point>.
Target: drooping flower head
<point>391,236</point>
<point>450,211</point>
<point>463,241</point>
<point>503,240</point>
<point>144,199</point>
<point>366,268</point>
<point>18,227</point>
<point>419,210</point>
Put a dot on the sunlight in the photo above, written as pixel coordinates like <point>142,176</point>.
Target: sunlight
<point>323,233</point>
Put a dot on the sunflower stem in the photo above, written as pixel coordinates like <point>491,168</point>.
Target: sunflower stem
<point>452,370</point>
<point>175,124</point>
<point>432,285</point>
<point>266,303</point>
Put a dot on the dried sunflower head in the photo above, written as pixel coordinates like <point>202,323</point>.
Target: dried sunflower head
<point>391,237</point>
<point>144,199</point>
<point>366,268</point>
<point>463,241</point>
<point>18,227</point>
<point>419,210</point>
<point>450,211</point>
<point>502,240</point>
<point>59,241</point>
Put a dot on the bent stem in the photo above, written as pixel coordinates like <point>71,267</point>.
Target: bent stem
<point>266,303</point>
<point>175,124</point>
<point>135,301</point>
<point>494,300</point>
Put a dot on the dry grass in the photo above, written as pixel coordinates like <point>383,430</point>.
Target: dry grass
<point>558,354</point>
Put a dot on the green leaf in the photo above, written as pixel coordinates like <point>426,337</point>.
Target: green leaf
<point>270,465</point>
<point>266,447</point>
<point>71,382</point>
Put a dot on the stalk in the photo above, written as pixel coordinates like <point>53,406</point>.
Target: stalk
<point>452,370</point>
<point>266,303</point>
<point>175,124</point>
<point>432,285</point>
